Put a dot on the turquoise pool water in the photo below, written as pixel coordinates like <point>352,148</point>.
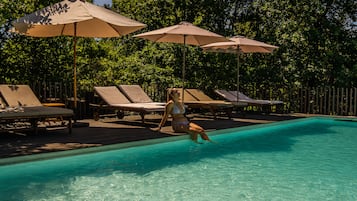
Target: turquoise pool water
<point>313,159</point>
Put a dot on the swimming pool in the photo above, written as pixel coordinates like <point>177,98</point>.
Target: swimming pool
<point>310,159</point>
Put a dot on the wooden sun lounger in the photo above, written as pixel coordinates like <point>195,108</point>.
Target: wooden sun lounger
<point>265,105</point>
<point>136,94</point>
<point>35,114</point>
<point>200,95</point>
<point>112,98</point>
<point>22,105</point>
<point>195,98</point>
<point>232,97</point>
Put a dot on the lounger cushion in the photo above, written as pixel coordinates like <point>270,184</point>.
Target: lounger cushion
<point>111,95</point>
<point>19,95</point>
<point>135,94</point>
<point>199,95</point>
<point>232,96</point>
<point>187,96</point>
<point>37,112</point>
<point>115,99</point>
<point>226,94</point>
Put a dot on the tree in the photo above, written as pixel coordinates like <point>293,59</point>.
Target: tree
<point>317,46</point>
<point>26,59</point>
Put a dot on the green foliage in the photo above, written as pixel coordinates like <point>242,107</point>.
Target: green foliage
<point>26,59</point>
<point>317,46</point>
<point>315,39</point>
<point>101,64</point>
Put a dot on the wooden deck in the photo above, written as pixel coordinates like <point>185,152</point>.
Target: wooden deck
<point>112,130</point>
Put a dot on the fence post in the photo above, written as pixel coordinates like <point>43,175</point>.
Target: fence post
<point>328,100</point>
<point>350,101</point>
<point>338,101</point>
<point>308,100</point>
<point>301,104</point>
<point>355,102</point>
<point>321,96</point>
<point>332,98</point>
<point>324,101</point>
<point>346,97</point>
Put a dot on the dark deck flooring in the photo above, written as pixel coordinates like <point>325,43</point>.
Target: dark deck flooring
<point>108,131</point>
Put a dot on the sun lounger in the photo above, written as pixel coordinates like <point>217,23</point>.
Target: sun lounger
<point>112,98</point>
<point>22,105</point>
<point>200,95</point>
<point>232,97</point>
<point>263,105</point>
<point>19,95</point>
<point>195,98</point>
<point>136,94</point>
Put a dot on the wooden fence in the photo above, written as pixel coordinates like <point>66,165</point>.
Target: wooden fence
<point>319,100</point>
<point>52,91</point>
<point>327,100</point>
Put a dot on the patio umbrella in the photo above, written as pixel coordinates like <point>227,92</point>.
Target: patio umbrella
<point>76,18</point>
<point>183,33</point>
<point>238,45</point>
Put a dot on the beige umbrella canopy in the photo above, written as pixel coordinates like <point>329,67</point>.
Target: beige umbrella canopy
<point>241,43</point>
<point>238,45</point>
<point>183,33</point>
<point>76,18</point>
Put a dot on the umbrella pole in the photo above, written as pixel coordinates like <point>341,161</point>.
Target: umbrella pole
<point>183,68</point>
<point>75,68</point>
<point>238,64</point>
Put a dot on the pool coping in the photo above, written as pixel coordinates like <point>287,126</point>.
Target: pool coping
<point>59,154</point>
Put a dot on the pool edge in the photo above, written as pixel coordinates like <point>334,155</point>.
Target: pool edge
<point>88,150</point>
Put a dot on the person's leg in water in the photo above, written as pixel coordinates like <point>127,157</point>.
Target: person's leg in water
<point>193,136</point>
<point>198,130</point>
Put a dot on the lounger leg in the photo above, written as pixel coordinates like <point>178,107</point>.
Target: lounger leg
<point>280,108</point>
<point>96,116</point>
<point>70,126</point>
<point>120,114</point>
<point>142,115</point>
<point>229,112</point>
<point>34,125</point>
<point>213,112</point>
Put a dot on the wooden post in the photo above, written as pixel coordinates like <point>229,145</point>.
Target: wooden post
<point>324,101</point>
<point>329,100</point>
<point>345,100</point>
<point>307,99</point>
<point>333,100</point>
<point>321,96</point>
<point>312,94</point>
<point>338,101</point>
<point>355,101</point>
<point>350,112</point>
<point>300,98</point>
<point>342,102</point>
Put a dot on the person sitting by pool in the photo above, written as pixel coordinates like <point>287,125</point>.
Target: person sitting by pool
<point>179,122</point>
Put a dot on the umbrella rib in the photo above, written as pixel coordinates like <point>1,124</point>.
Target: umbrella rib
<point>62,30</point>
<point>120,34</point>
<point>196,40</point>
<point>162,36</point>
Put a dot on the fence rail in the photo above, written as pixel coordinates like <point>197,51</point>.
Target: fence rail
<point>318,100</point>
